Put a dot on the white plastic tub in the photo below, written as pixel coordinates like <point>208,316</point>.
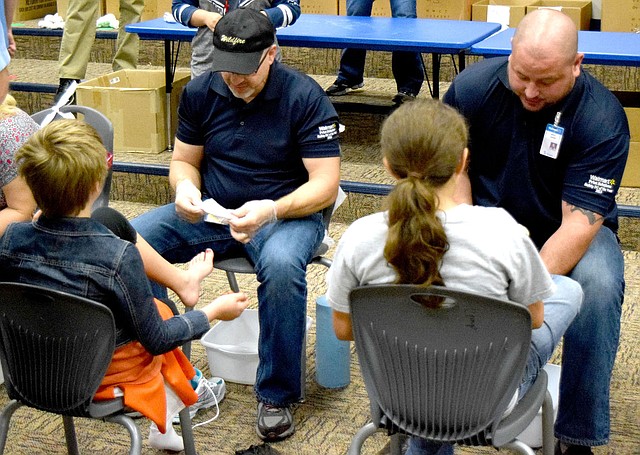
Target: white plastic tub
<point>232,348</point>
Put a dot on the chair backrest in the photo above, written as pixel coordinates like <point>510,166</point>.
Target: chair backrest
<point>445,372</point>
<point>55,348</point>
<point>103,126</point>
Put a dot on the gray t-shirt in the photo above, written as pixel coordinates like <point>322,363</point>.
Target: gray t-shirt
<point>489,253</point>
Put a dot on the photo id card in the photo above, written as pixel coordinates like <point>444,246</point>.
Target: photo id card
<point>551,141</point>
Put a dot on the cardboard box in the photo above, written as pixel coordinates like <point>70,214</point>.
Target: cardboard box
<point>33,9</point>
<point>578,10</point>
<point>505,12</point>
<point>135,102</point>
<point>620,16</point>
<point>432,9</point>
<point>319,6</point>
<point>153,9</point>
<point>631,176</point>
<point>62,5</point>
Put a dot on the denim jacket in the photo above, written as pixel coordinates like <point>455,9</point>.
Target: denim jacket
<point>82,257</point>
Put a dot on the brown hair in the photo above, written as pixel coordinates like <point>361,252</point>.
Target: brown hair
<point>422,142</point>
<point>63,163</point>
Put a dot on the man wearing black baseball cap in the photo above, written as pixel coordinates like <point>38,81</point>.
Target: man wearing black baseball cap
<point>261,139</point>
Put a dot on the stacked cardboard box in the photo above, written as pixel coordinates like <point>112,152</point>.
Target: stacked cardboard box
<point>578,10</point>
<point>33,9</point>
<point>319,6</point>
<point>509,13</point>
<point>631,175</point>
<point>135,102</point>
<point>433,9</point>
<point>620,16</point>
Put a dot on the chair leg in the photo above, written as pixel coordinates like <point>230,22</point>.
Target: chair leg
<point>547,425</point>
<point>233,283</point>
<point>358,439</point>
<point>519,447</point>
<point>187,432</point>
<point>5,417</point>
<point>70,435</point>
<point>396,444</point>
<point>132,428</point>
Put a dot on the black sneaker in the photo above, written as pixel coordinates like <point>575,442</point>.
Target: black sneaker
<point>62,88</point>
<point>571,449</point>
<point>339,88</point>
<point>274,423</point>
<point>403,97</point>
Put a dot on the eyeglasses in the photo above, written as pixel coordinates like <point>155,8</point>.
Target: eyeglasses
<point>264,56</point>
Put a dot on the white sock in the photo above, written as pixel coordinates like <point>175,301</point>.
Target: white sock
<point>168,441</point>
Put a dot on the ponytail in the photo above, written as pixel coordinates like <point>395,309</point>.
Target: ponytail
<point>422,144</point>
<point>416,241</point>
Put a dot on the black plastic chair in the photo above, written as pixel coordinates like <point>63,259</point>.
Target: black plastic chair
<point>55,350</point>
<point>103,126</point>
<point>443,365</point>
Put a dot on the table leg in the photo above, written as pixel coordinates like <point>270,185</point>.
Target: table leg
<point>435,61</point>
<point>170,63</point>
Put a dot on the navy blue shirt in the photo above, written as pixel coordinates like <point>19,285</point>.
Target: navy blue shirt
<point>506,168</point>
<point>255,150</point>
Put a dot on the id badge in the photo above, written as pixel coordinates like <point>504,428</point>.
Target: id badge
<point>551,141</point>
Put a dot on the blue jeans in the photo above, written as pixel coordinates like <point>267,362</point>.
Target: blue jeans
<point>559,311</point>
<point>407,67</point>
<point>280,252</point>
<point>590,345</point>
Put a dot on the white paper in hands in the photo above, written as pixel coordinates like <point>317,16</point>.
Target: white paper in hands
<point>215,213</point>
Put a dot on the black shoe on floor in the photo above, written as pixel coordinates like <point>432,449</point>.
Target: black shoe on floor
<point>62,88</point>
<point>339,88</point>
<point>571,449</point>
<point>403,97</point>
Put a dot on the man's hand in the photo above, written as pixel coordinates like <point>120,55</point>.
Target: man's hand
<point>189,201</point>
<point>211,19</point>
<point>251,217</point>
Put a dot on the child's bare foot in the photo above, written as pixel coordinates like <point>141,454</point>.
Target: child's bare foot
<point>198,269</point>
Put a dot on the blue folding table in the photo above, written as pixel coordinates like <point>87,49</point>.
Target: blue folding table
<point>600,48</point>
<point>434,36</point>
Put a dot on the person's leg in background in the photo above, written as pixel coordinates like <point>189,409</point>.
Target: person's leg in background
<point>407,67</point>
<point>128,43</point>
<point>419,446</point>
<point>77,40</point>
<point>590,347</point>
<point>351,72</point>
<point>559,311</point>
<point>281,252</point>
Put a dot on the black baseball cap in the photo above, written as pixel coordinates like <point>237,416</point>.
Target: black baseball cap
<point>239,40</point>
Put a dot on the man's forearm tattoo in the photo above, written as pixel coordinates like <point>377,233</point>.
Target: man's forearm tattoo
<point>591,216</point>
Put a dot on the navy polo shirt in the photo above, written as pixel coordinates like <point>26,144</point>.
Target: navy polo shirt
<point>255,150</point>
<point>506,168</point>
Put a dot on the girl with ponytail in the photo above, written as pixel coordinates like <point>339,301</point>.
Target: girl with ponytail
<point>427,237</point>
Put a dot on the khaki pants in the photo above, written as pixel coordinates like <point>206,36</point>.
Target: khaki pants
<point>80,32</point>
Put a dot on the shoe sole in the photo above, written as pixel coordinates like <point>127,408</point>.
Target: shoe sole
<point>273,437</point>
<point>347,91</point>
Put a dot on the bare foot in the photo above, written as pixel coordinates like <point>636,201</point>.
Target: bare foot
<point>198,269</point>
